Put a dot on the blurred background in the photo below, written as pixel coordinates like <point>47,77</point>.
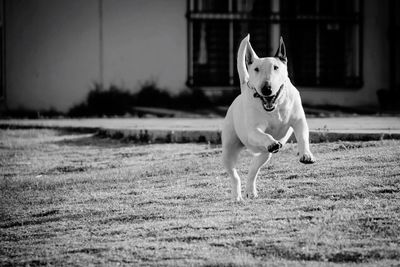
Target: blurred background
<point>61,54</point>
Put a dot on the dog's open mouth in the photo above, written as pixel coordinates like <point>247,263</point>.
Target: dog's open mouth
<point>269,102</point>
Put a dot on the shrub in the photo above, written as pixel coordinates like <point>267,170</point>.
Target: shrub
<point>191,100</point>
<point>152,96</point>
<point>109,102</point>
<point>116,101</point>
<point>25,113</point>
<point>113,101</point>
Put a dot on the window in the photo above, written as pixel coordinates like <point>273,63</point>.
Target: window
<point>322,38</point>
<point>323,41</point>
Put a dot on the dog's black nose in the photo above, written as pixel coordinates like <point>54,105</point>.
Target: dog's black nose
<point>266,89</point>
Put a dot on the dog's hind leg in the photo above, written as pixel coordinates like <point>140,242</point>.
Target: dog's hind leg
<point>230,154</point>
<point>257,162</point>
<point>231,147</point>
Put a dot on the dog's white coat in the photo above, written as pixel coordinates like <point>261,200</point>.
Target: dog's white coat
<point>248,125</point>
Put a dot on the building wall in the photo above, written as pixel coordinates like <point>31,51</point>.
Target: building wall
<point>145,40</point>
<point>53,51</point>
<point>53,48</point>
<point>375,64</point>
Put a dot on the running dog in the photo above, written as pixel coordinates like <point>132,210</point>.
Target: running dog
<point>263,116</point>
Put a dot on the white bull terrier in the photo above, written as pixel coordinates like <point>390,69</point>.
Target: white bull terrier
<point>263,116</point>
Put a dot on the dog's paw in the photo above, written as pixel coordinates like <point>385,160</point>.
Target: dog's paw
<point>251,190</point>
<point>274,147</point>
<point>238,199</point>
<point>251,194</point>
<point>237,196</point>
<point>307,159</point>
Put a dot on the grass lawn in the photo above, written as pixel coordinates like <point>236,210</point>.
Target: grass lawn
<point>74,199</point>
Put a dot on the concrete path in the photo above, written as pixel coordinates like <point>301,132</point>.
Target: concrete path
<point>358,128</point>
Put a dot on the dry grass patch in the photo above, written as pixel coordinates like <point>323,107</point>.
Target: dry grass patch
<point>78,199</point>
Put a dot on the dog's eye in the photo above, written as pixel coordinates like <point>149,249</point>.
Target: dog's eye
<point>256,69</point>
<point>276,67</point>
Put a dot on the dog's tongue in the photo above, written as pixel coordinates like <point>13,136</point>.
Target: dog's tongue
<point>269,102</point>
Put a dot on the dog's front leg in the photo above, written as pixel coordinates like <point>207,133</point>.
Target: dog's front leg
<point>301,132</point>
<point>258,138</point>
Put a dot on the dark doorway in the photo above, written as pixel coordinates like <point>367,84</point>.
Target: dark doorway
<point>394,37</point>
<point>2,52</point>
<point>389,99</point>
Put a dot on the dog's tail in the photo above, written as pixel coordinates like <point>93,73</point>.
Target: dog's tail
<point>241,60</point>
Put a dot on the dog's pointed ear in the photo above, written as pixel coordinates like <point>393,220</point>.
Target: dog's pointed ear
<point>250,55</point>
<point>245,56</point>
<point>281,52</point>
